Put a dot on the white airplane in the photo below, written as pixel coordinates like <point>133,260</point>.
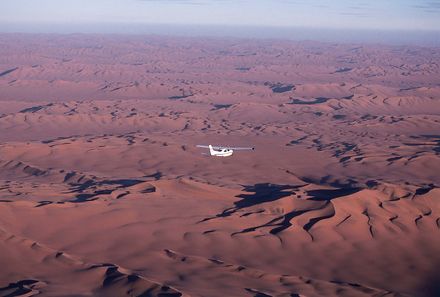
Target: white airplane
<point>224,151</point>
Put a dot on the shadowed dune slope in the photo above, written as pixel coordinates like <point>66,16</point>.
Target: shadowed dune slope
<point>103,191</point>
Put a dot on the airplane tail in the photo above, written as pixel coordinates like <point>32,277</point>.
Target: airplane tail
<point>211,150</point>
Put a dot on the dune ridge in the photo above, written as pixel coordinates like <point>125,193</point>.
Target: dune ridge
<point>104,192</point>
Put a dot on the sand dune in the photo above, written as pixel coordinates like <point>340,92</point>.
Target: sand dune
<point>63,272</point>
<point>103,192</point>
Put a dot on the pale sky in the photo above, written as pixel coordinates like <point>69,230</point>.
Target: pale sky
<point>354,14</point>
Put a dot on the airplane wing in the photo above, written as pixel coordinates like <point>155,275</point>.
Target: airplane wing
<point>216,147</point>
<point>240,148</point>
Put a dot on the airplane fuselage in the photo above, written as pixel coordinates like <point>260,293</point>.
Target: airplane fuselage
<point>220,153</point>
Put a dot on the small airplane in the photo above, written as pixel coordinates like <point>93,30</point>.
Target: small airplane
<point>224,151</point>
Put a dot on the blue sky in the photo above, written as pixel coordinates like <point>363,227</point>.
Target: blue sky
<point>347,14</point>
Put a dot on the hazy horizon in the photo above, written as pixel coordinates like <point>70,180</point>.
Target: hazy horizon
<point>401,21</point>
<point>397,37</point>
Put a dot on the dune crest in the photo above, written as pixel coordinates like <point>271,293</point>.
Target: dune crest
<point>103,191</point>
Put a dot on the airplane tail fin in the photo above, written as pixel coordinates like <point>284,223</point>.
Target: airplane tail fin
<point>211,150</point>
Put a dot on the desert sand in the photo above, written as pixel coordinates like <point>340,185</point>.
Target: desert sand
<point>103,192</point>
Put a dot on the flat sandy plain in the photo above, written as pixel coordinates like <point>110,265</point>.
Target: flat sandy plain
<point>103,192</point>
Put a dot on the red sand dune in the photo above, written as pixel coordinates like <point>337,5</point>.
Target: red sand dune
<point>103,192</point>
